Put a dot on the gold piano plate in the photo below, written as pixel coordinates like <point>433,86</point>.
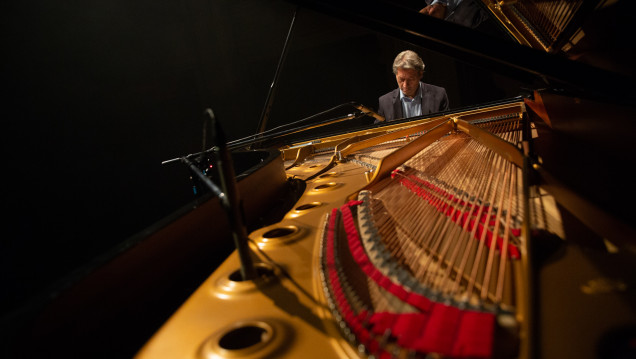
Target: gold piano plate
<point>429,255</point>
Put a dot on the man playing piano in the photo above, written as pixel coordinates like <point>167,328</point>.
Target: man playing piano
<point>412,97</point>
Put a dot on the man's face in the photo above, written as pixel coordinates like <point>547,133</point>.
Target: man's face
<point>408,80</point>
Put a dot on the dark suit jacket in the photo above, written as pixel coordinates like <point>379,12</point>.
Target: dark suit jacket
<point>434,99</point>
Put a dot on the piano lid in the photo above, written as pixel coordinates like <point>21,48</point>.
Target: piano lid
<point>552,62</point>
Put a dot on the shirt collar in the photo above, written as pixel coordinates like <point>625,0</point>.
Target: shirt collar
<point>417,96</point>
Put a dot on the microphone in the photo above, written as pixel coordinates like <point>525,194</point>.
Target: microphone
<point>368,111</point>
<point>231,201</point>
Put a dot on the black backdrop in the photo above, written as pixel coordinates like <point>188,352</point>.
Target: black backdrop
<point>98,93</point>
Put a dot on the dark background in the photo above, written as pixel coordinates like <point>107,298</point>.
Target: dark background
<point>98,93</point>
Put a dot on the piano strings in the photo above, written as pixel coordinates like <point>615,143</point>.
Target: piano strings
<point>437,247</point>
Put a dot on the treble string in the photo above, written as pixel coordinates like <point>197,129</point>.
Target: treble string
<point>454,238</point>
<point>474,212</point>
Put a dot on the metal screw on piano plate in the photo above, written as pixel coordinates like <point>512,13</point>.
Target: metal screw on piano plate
<point>350,335</point>
<point>332,305</point>
<point>338,318</point>
<point>255,338</point>
<point>507,321</point>
<point>361,349</point>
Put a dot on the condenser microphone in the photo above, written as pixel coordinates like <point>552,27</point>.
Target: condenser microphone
<point>370,112</point>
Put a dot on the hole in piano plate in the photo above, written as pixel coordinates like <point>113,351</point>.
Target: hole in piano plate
<point>244,337</point>
<point>263,272</point>
<point>326,186</point>
<point>280,232</point>
<point>231,285</point>
<point>329,174</point>
<point>278,235</point>
<point>307,206</point>
<point>250,338</point>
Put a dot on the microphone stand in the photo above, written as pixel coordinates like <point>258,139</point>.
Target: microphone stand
<point>201,176</point>
<point>227,193</point>
<point>287,129</point>
<point>230,200</point>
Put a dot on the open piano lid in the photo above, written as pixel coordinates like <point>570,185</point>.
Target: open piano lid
<point>507,54</point>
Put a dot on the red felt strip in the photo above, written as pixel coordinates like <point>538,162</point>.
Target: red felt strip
<point>475,335</point>
<point>409,327</point>
<point>399,291</point>
<point>437,329</point>
<point>402,324</point>
<point>366,265</point>
<point>382,321</point>
<point>419,301</point>
<point>439,333</point>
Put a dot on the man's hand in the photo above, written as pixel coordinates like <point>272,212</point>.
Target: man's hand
<point>435,10</point>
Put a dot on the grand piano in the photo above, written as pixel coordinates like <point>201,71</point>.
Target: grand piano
<point>503,229</point>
